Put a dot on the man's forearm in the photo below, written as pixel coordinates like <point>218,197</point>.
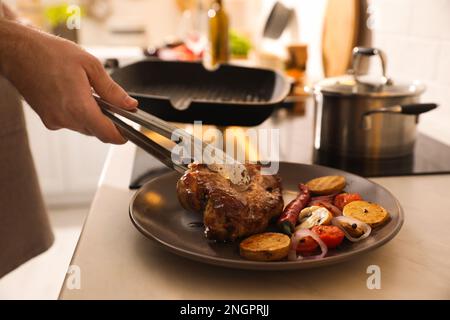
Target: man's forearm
<point>18,45</point>
<point>12,43</point>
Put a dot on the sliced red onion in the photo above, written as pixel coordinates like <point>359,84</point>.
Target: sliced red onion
<point>336,221</point>
<point>303,233</point>
<point>335,211</point>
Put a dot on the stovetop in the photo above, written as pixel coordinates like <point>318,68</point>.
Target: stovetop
<point>430,157</point>
<point>296,145</point>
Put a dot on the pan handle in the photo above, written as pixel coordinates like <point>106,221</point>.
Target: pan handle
<point>414,109</point>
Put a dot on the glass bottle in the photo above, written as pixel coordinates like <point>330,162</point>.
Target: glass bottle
<point>217,50</point>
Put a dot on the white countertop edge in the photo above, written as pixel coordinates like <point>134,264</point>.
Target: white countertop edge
<point>118,166</point>
<point>119,163</point>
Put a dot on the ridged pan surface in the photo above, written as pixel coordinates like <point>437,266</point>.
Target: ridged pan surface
<point>187,92</point>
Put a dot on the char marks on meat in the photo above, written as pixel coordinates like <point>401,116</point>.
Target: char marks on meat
<point>230,211</point>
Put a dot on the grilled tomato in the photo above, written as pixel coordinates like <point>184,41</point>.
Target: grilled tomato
<point>332,236</point>
<point>341,200</point>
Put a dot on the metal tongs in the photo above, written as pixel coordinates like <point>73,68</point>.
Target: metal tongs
<point>229,168</point>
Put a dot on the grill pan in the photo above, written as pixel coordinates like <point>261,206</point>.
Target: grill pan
<point>186,92</point>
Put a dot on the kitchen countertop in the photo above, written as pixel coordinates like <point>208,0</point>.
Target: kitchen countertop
<point>117,262</point>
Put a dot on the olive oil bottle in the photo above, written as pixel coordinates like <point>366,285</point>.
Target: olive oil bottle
<point>217,50</point>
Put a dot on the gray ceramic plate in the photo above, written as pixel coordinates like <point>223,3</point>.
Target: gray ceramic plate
<point>156,213</point>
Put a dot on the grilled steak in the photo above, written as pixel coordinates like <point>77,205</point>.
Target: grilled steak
<point>230,211</point>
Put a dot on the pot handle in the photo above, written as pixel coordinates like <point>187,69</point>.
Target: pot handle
<point>412,109</point>
<point>409,109</point>
<point>365,51</point>
<point>417,108</point>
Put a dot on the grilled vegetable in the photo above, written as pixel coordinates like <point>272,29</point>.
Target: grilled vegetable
<point>353,229</point>
<point>341,200</point>
<point>326,185</point>
<point>326,198</point>
<point>307,235</point>
<point>288,219</point>
<point>269,246</point>
<point>306,246</point>
<point>335,211</point>
<point>332,236</point>
<point>367,212</point>
<point>314,216</point>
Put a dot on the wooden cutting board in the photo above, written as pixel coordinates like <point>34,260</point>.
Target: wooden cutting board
<point>340,35</point>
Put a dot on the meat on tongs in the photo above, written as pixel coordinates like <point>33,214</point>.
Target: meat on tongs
<point>230,211</point>
<point>235,200</point>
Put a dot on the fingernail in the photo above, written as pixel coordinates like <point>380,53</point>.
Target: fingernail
<point>131,102</point>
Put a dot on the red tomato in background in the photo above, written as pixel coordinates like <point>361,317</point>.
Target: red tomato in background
<point>332,236</point>
<point>342,199</point>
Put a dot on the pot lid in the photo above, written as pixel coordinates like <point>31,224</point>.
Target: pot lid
<point>348,85</point>
<point>367,85</point>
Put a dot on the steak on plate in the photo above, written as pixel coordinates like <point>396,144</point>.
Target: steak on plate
<point>231,211</point>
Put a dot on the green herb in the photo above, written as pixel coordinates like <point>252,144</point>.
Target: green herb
<point>58,14</point>
<point>239,44</point>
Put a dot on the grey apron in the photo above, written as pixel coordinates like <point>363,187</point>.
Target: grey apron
<point>24,226</point>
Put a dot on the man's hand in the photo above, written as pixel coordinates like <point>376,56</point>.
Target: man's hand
<point>55,77</point>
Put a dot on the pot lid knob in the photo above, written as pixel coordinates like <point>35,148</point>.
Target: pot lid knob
<point>358,52</point>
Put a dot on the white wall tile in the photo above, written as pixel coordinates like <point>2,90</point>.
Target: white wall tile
<point>415,36</point>
<point>394,46</point>
<point>431,18</point>
<point>435,93</point>
<point>436,122</point>
<point>443,63</point>
<point>311,17</point>
<point>409,57</point>
<point>420,59</point>
<point>391,16</point>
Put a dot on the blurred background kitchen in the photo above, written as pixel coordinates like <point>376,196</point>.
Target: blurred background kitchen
<point>302,40</point>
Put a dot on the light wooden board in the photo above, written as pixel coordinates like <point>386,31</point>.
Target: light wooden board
<point>340,35</point>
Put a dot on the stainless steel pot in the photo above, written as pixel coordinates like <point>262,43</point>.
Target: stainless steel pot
<point>356,116</point>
